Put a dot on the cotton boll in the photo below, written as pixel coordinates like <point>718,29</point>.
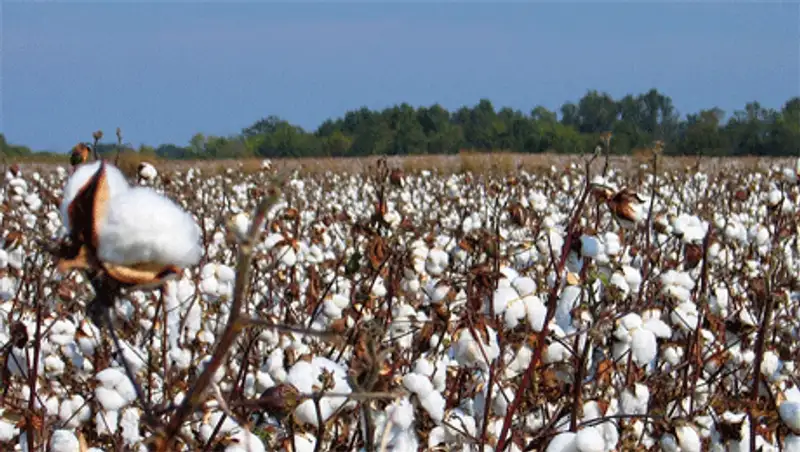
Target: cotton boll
<point>117,184</point>
<point>633,277</point>
<point>591,246</point>
<point>304,375</point>
<point>643,346</point>
<point>244,441</point>
<point>64,441</point>
<point>589,440</point>
<point>142,226</point>
<point>468,353</point>
<point>130,426</point>
<point>563,442</point>
<point>536,312</point>
<point>688,439</point>
<point>8,431</point>
<point>74,411</point>
<point>107,422</point>
<point>790,415</point>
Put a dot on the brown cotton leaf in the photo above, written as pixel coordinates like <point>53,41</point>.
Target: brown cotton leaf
<point>376,252</point>
<point>83,446</point>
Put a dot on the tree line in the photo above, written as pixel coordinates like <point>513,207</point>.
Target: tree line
<point>634,121</point>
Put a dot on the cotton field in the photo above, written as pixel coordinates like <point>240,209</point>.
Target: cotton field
<point>577,308</point>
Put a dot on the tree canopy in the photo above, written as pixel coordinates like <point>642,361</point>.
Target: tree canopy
<point>635,121</point>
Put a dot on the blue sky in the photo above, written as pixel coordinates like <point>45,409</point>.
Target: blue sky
<point>165,70</point>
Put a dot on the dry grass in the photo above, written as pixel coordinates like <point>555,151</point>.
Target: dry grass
<point>467,160</point>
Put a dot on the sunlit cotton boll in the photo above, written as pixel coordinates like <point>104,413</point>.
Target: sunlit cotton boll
<point>305,375</point>
<point>117,184</point>
<point>143,226</point>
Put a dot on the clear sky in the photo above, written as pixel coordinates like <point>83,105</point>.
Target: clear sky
<point>165,70</point>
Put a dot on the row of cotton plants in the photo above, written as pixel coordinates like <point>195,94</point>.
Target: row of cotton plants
<point>577,308</point>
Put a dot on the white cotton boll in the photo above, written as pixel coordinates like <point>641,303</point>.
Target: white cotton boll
<point>287,255</point>
<point>209,286</point>
<point>555,353</point>
<point>611,244</point>
<point>74,411</point>
<point>643,346</point>
<point>618,280</point>
<point>567,301</point>
<point>147,171</point>
<point>436,261</point>
<point>669,443</point>
<point>685,316</point>
<point>438,292</point>
<point>225,274</point>
<point>64,441</point>
<point>524,285</point>
<point>589,440</point>
<point>304,442</point>
<point>244,441</point>
<point>536,312</point>
<point>53,366</point>
<point>658,327</point>
<point>515,312</point>
<point>503,297</point>
<point>117,184</point>
<point>591,246</point>
<point>401,413</point>
<point>115,379</point>
<point>719,301</point>
<point>417,383</point>
<point>770,364</point>
<point>110,399</point>
<point>433,403</point>
<point>774,197</point>
<point>107,422</point>
<point>8,431</point>
<point>563,442</point>
<point>304,375</point>
<point>180,358</point>
<point>792,443</point>
<point>688,439</point>
<point>634,402</point>
<point>790,415</point>
<point>130,426</point>
<point>143,226</point>
<point>633,277</point>
<point>468,353</point>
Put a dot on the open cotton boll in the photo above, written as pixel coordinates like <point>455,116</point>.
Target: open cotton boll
<point>790,415</point>
<point>64,441</point>
<point>589,439</point>
<point>142,226</point>
<point>115,390</point>
<point>305,377</point>
<point>8,431</point>
<point>468,353</point>
<point>688,439</point>
<point>591,246</point>
<point>117,184</point>
<point>563,442</point>
<point>244,441</point>
<point>74,411</point>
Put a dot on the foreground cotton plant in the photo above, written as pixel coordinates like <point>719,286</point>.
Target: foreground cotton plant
<point>133,235</point>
